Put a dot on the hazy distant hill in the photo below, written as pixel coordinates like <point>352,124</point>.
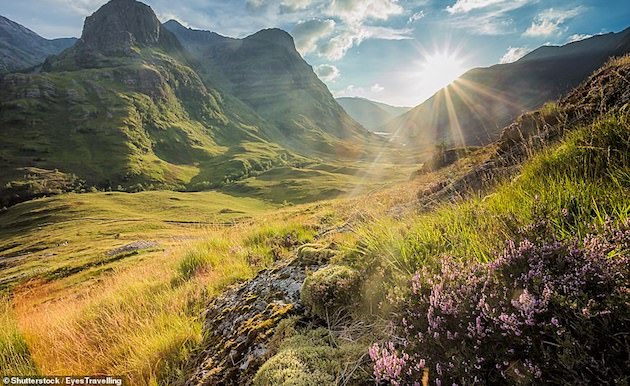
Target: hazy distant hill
<point>372,115</point>
<point>474,108</point>
<point>21,48</point>
<point>266,72</point>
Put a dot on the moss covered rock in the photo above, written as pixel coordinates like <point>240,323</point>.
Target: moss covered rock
<point>313,359</point>
<point>313,254</point>
<point>331,290</point>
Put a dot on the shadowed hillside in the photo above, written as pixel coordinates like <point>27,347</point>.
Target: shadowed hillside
<point>475,107</point>
<point>266,72</point>
<point>21,48</point>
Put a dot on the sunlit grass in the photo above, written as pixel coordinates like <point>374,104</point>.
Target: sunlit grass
<point>586,176</point>
<point>15,357</point>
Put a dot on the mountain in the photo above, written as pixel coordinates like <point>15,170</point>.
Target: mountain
<point>21,48</point>
<point>372,115</point>
<point>130,106</point>
<point>267,73</point>
<point>124,107</point>
<point>474,108</point>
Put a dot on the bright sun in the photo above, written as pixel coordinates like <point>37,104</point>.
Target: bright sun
<point>440,69</point>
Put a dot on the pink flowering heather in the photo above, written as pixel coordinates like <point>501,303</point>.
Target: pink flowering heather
<point>543,312</point>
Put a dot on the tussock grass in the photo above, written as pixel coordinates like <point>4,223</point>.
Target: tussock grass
<point>586,175</point>
<point>15,356</point>
<point>143,319</point>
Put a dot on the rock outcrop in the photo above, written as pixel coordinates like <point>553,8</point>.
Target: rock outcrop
<point>120,25</point>
<point>240,323</point>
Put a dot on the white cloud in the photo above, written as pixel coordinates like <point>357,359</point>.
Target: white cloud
<point>550,22</point>
<point>415,17</point>
<point>464,6</point>
<point>357,11</point>
<point>336,47</point>
<point>577,38</point>
<point>376,88</point>
<point>285,5</point>
<point>369,92</point>
<point>484,17</point>
<point>349,36</point>
<point>296,4</point>
<point>327,72</point>
<point>513,54</point>
<point>308,33</point>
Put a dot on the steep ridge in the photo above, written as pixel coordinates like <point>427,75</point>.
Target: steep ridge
<point>265,71</point>
<point>372,115</point>
<point>21,48</point>
<point>124,107</point>
<point>475,107</point>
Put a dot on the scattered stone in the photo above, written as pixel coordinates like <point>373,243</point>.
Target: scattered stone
<point>133,247</point>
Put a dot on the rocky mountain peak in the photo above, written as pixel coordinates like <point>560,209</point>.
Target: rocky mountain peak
<point>274,36</point>
<point>121,24</point>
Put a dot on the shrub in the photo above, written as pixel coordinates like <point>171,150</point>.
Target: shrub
<point>314,358</point>
<point>331,290</point>
<point>548,312</point>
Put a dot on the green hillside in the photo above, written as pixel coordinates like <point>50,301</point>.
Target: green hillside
<point>266,72</point>
<point>133,111</point>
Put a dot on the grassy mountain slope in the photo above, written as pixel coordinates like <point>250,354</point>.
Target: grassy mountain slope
<point>138,313</point>
<point>266,72</point>
<point>475,107</point>
<point>372,115</point>
<point>534,261</point>
<point>21,48</point>
<point>127,108</point>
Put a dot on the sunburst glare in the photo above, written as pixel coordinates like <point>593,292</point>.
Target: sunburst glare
<point>439,69</point>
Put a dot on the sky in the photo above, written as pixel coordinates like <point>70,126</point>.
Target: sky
<point>398,52</point>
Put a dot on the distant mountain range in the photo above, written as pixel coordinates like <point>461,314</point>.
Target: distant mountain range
<point>134,103</point>
<point>21,48</point>
<point>475,107</point>
<point>372,115</point>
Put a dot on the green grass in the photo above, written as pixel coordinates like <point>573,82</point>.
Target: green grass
<point>74,232</point>
<point>15,357</point>
<point>586,175</point>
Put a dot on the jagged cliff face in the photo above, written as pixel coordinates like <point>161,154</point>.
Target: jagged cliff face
<point>120,25</point>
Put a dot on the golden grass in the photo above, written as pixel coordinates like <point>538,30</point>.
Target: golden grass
<point>142,316</point>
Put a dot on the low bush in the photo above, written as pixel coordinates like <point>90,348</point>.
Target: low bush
<point>331,290</point>
<point>314,358</point>
<point>545,312</point>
